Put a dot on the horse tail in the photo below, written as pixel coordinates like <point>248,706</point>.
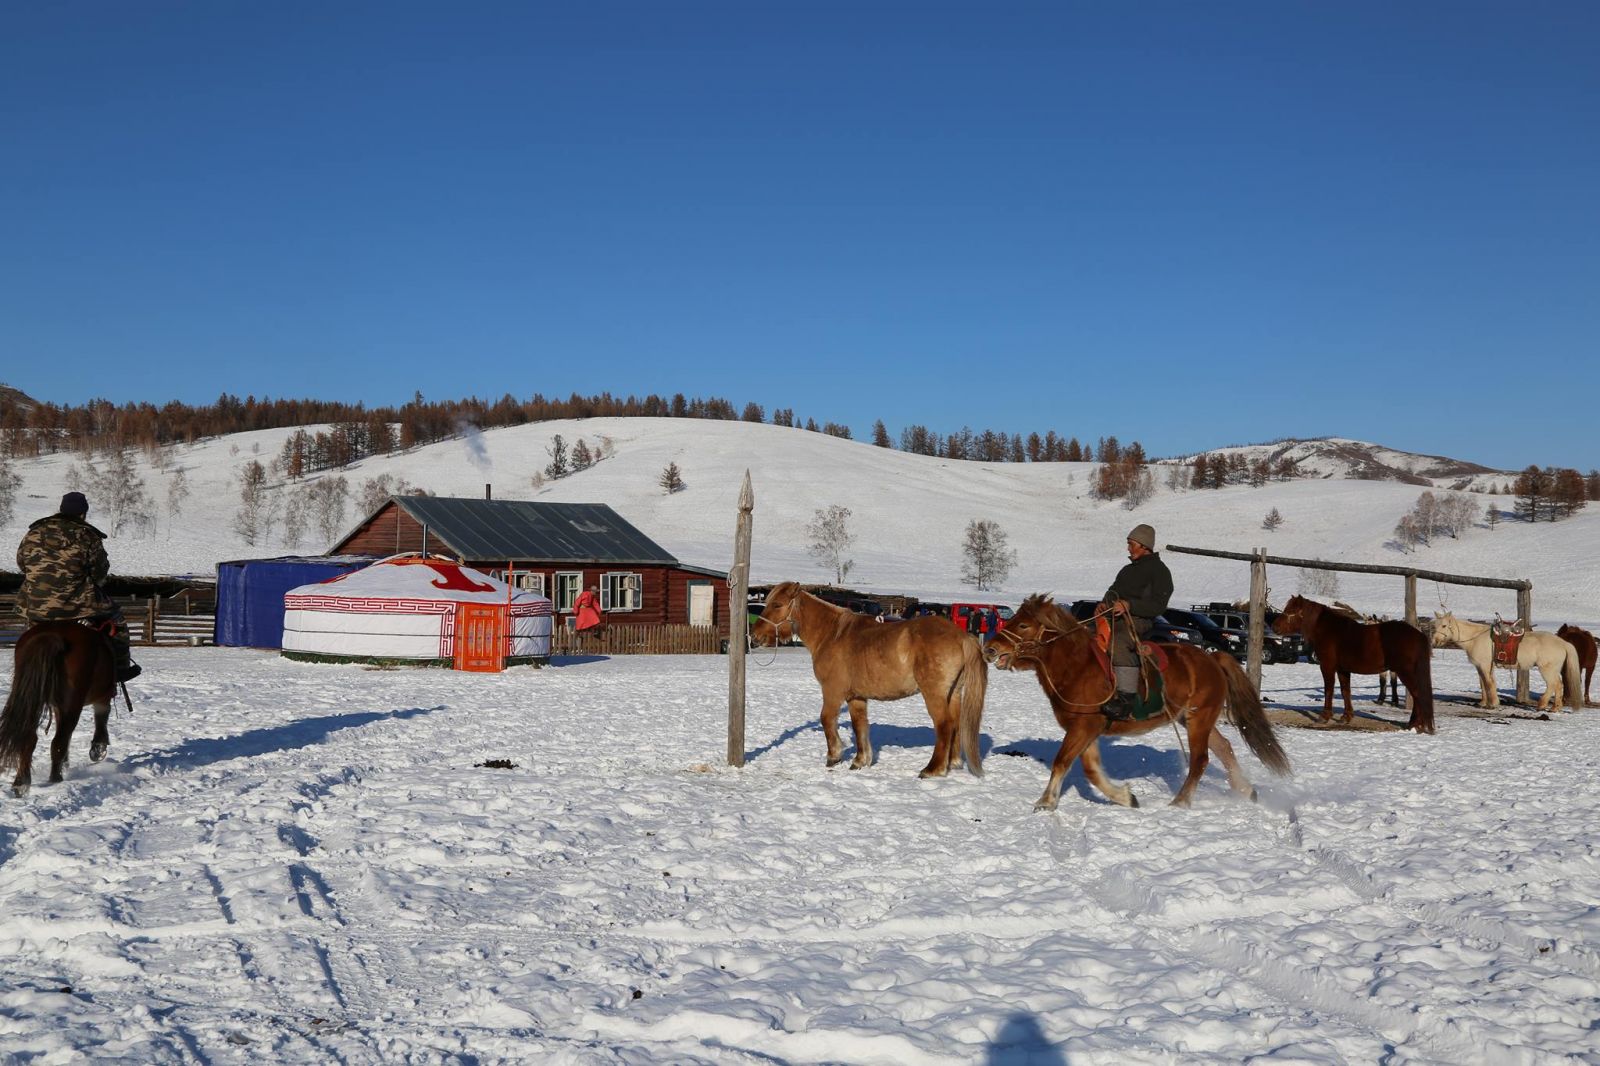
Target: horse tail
<point>971,688</point>
<point>1571,678</point>
<point>38,681</point>
<point>1248,716</point>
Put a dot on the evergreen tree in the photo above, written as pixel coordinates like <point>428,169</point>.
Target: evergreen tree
<point>671,479</point>
<point>880,435</point>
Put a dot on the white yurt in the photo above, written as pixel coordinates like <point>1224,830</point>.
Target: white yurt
<point>405,609</point>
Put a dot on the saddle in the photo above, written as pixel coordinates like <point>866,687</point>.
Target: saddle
<point>1507,638</point>
<point>1152,670</point>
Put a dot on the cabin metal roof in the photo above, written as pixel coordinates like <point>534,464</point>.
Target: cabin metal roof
<point>529,531</point>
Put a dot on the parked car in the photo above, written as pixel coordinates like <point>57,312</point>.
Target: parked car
<point>1275,647</point>
<point>1164,630</point>
<point>1213,636</point>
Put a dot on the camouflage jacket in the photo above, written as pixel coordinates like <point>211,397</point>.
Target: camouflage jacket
<point>63,561</point>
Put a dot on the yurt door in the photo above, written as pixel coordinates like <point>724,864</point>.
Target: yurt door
<point>481,637</point>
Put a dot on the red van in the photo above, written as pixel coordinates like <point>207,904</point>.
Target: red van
<point>960,612</point>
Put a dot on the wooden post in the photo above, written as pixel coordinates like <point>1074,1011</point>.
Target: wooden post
<point>739,622</point>
<point>1258,616</point>
<point>150,621</point>
<point>1524,615</point>
<point>1411,618</point>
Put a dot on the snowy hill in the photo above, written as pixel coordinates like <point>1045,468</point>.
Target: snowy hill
<point>1338,457</point>
<point>909,513</point>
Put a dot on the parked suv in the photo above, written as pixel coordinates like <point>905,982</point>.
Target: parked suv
<point>1275,647</point>
<point>1213,636</point>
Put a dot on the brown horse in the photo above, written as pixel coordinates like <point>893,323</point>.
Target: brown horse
<point>59,666</point>
<point>1197,685</point>
<point>1584,642</point>
<point>1344,647</point>
<point>857,659</point>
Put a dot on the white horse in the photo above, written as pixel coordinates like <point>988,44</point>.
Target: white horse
<point>1556,659</point>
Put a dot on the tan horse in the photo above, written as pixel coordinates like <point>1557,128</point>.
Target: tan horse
<point>1045,639</point>
<point>1554,658</point>
<point>857,659</point>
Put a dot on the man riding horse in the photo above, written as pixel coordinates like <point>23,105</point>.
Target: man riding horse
<point>63,562</point>
<point>1141,591</point>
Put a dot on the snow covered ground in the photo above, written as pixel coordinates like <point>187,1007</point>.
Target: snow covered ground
<point>298,863</point>
<point>301,863</point>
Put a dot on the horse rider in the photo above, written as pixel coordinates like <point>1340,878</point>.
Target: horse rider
<point>1141,591</point>
<point>63,562</point>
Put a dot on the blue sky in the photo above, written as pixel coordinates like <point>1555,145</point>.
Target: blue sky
<point>1190,224</point>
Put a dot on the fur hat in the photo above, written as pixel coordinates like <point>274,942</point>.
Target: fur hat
<point>1143,534</point>
<point>75,503</point>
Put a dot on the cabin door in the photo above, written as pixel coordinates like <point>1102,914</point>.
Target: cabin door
<point>702,597</point>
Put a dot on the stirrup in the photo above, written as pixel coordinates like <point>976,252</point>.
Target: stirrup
<point>1119,708</point>
<point>129,672</point>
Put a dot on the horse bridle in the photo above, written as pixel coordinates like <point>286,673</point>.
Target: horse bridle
<point>788,620</point>
<point>1031,649</point>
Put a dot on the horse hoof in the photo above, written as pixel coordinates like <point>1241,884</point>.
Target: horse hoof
<point>20,790</point>
<point>97,752</point>
<point>1255,797</point>
<point>835,762</point>
<point>1044,805</point>
<point>1133,801</point>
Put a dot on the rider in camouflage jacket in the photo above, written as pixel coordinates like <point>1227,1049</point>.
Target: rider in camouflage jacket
<point>63,562</point>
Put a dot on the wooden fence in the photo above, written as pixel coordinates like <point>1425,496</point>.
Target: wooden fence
<point>637,640</point>
<point>187,618</point>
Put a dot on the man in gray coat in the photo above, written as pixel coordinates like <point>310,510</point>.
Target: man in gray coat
<point>1141,591</point>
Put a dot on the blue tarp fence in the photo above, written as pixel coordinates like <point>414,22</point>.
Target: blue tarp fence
<point>250,594</point>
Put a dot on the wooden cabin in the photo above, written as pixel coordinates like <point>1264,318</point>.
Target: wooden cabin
<point>555,549</point>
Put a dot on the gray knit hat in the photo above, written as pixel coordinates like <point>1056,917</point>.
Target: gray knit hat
<point>1143,534</point>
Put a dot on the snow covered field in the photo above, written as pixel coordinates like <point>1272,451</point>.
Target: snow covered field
<point>298,863</point>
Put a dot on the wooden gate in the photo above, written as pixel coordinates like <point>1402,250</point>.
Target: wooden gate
<point>481,635</point>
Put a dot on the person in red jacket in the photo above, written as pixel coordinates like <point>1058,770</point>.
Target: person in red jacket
<point>587,609</point>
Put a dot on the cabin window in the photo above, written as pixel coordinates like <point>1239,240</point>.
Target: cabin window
<point>568,585</point>
<point>531,582</point>
<point>620,592</point>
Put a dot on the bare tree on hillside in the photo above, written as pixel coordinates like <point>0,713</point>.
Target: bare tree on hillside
<point>296,515</point>
<point>177,492</point>
<point>10,482</point>
<point>328,497</point>
<point>119,492</point>
<point>582,458</point>
<point>988,558</point>
<point>829,537</point>
<point>1319,584</point>
<point>248,521</point>
<point>557,468</point>
<point>375,491</point>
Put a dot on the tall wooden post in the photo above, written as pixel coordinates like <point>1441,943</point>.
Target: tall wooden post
<point>1411,618</point>
<point>739,622</point>
<point>1525,616</point>
<point>1258,616</point>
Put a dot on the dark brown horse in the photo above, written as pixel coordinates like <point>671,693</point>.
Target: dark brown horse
<point>59,666</point>
<point>1584,642</point>
<point>1045,639</point>
<point>857,659</point>
<point>1344,647</point>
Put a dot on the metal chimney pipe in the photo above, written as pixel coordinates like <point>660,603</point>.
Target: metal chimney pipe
<point>488,491</point>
